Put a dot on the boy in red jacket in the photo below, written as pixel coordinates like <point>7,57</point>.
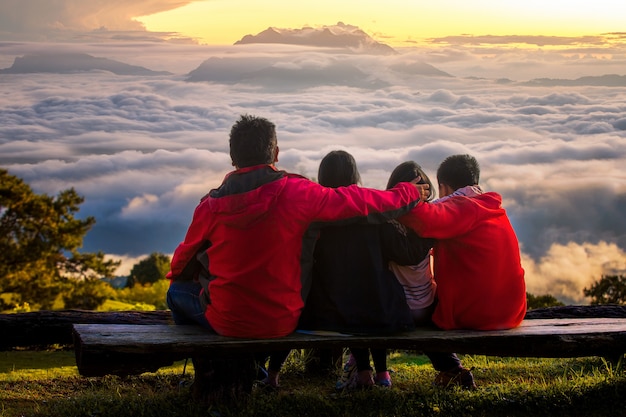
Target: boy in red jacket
<point>480,280</point>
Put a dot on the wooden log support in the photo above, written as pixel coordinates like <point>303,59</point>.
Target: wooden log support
<point>43,328</point>
<point>127,349</point>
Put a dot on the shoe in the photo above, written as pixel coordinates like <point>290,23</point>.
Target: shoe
<point>261,373</point>
<point>348,375</point>
<point>383,379</point>
<point>459,377</point>
<point>270,382</point>
<point>267,386</point>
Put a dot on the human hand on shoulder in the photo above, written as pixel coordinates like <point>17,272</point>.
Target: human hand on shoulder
<point>424,189</point>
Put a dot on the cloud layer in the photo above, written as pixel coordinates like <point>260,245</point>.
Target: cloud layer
<point>78,20</point>
<point>144,150</point>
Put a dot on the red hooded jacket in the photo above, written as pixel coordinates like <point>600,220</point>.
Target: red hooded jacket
<point>255,223</point>
<point>480,280</point>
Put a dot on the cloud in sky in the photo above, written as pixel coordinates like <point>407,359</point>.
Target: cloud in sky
<point>143,150</point>
<point>74,20</point>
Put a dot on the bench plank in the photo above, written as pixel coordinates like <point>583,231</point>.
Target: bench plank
<point>130,349</point>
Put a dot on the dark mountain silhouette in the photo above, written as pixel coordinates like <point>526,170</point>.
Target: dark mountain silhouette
<point>336,64</point>
<point>69,63</point>
<point>418,68</point>
<point>264,72</point>
<point>608,80</point>
<point>341,36</point>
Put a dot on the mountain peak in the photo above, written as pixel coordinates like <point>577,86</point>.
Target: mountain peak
<point>71,62</point>
<point>340,36</point>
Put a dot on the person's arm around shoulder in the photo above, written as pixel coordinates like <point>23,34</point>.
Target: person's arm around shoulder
<point>328,204</point>
<point>443,220</point>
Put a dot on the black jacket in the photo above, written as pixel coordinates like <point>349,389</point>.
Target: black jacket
<point>353,290</point>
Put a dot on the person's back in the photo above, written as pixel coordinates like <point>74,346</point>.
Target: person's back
<point>353,289</point>
<point>480,280</point>
<point>250,230</point>
<point>417,280</point>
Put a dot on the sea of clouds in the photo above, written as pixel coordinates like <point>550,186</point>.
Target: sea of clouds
<point>143,150</point>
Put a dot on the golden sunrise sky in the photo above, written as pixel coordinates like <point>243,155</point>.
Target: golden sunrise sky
<point>395,22</point>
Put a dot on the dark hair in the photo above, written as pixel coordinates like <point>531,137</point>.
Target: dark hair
<point>338,169</point>
<point>252,141</point>
<point>407,172</point>
<point>458,171</point>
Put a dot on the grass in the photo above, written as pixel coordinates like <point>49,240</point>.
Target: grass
<point>47,384</point>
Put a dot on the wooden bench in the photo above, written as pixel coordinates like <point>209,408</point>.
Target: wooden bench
<point>122,349</point>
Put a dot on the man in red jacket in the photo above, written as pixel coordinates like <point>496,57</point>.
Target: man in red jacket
<point>480,280</point>
<point>250,235</point>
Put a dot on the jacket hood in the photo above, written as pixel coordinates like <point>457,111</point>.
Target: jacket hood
<point>246,195</point>
<point>490,200</point>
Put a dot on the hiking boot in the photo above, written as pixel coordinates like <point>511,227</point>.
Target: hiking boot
<point>383,379</point>
<point>348,375</point>
<point>459,377</point>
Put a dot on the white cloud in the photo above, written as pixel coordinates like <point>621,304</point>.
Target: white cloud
<point>144,150</point>
<point>39,20</point>
<point>565,270</point>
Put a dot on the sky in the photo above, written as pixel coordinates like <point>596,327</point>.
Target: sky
<point>536,91</point>
<point>398,22</point>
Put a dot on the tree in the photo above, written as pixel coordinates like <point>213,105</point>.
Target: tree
<point>39,241</point>
<point>149,270</point>
<point>541,301</point>
<point>610,289</point>
<point>88,294</point>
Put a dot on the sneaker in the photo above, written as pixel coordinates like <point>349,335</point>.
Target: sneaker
<point>383,379</point>
<point>261,373</point>
<point>271,380</point>
<point>348,375</point>
<point>460,377</point>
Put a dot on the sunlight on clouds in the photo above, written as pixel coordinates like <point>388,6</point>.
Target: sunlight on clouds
<point>144,150</point>
<point>396,22</point>
<point>565,270</point>
<point>137,204</point>
<point>126,263</point>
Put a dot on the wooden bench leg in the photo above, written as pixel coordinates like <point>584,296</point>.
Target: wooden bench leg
<point>222,380</point>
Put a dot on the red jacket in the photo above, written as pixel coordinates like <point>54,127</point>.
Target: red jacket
<point>255,223</point>
<point>480,280</point>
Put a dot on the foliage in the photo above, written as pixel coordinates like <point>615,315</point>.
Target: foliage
<point>112,305</point>
<point>87,295</point>
<point>541,301</point>
<point>611,289</point>
<point>153,294</point>
<point>149,270</point>
<point>39,241</point>
<point>45,386</point>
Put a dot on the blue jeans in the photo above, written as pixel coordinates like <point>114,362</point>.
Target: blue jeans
<point>183,298</point>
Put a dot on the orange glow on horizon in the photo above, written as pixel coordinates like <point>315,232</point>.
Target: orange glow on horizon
<point>394,22</point>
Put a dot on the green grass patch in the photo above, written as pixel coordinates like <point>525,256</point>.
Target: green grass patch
<point>47,384</point>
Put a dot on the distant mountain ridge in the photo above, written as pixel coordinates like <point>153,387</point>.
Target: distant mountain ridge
<point>337,64</point>
<point>69,63</point>
<point>338,36</point>
<point>263,72</point>
<point>608,80</point>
